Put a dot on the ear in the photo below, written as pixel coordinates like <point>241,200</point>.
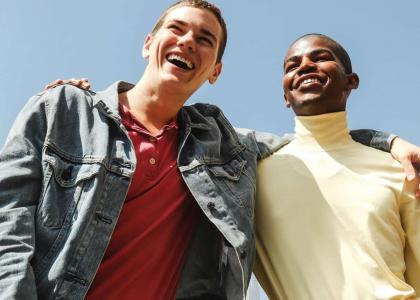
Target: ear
<point>287,101</point>
<point>216,72</point>
<point>352,81</point>
<point>146,46</point>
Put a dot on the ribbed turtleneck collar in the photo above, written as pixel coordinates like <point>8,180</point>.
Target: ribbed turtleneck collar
<point>322,132</point>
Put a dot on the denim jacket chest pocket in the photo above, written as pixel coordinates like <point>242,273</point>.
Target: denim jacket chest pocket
<point>65,181</point>
<point>235,180</point>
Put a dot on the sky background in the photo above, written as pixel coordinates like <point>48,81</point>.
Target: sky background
<point>48,39</point>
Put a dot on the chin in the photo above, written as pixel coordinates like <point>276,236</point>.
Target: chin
<point>171,79</point>
<point>308,100</point>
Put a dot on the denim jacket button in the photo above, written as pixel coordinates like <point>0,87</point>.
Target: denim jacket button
<point>103,218</point>
<point>211,205</point>
<point>242,254</point>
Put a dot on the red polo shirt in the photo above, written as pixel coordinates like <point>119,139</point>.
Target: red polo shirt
<point>146,254</point>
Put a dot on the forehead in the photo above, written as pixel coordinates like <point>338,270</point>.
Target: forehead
<point>310,44</point>
<point>199,17</point>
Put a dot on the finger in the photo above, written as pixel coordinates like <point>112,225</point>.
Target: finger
<point>86,85</point>
<point>77,82</point>
<point>418,187</point>
<point>82,81</point>
<point>409,170</point>
<point>68,80</point>
<point>73,81</point>
<point>53,84</point>
<point>83,84</point>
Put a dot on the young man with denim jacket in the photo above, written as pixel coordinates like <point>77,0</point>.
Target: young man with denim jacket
<point>79,167</point>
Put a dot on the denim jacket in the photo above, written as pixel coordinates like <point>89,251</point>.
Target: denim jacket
<point>64,173</point>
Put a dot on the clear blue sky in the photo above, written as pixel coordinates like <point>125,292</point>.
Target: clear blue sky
<point>48,39</point>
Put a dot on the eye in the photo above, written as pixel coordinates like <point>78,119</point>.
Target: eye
<point>290,67</point>
<point>323,57</point>
<point>205,40</point>
<point>174,28</point>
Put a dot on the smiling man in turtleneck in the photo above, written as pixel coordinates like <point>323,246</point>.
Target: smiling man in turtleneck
<point>342,222</point>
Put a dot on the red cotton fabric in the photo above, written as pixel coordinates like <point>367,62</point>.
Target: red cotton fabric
<point>145,256</point>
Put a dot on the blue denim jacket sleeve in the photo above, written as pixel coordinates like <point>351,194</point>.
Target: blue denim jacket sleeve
<point>20,186</point>
<point>262,142</point>
<point>372,138</point>
<point>267,143</point>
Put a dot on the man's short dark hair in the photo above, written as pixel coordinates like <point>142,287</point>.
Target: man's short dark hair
<point>339,50</point>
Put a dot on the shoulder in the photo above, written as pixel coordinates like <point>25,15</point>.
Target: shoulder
<point>67,106</point>
<point>206,116</point>
<point>375,155</point>
<point>67,95</point>
<point>380,165</point>
<point>47,102</point>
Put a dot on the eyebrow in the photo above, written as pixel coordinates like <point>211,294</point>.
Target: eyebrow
<point>315,52</point>
<point>202,30</point>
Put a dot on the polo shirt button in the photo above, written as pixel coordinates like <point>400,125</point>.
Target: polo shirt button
<point>211,205</point>
<point>152,161</point>
<point>152,139</point>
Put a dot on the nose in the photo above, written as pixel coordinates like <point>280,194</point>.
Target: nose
<point>187,41</point>
<point>306,65</point>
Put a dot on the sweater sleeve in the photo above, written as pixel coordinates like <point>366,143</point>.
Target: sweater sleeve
<point>410,218</point>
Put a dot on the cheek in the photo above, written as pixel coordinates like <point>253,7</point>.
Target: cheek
<point>287,81</point>
<point>166,38</point>
<point>208,56</point>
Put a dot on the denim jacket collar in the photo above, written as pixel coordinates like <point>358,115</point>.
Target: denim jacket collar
<point>108,99</point>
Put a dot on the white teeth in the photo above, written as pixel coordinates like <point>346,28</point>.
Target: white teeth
<point>310,80</point>
<point>189,64</point>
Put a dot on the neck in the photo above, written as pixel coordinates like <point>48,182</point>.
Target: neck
<point>154,106</point>
<point>326,131</point>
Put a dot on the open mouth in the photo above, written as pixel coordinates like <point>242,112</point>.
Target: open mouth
<point>180,62</point>
<point>310,81</point>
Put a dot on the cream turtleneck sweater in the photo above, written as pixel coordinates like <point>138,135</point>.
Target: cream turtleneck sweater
<point>335,219</point>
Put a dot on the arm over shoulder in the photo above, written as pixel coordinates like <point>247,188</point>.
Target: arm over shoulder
<point>262,142</point>
<point>376,139</point>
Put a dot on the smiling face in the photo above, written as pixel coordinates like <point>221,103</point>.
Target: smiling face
<point>183,52</point>
<point>315,81</point>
